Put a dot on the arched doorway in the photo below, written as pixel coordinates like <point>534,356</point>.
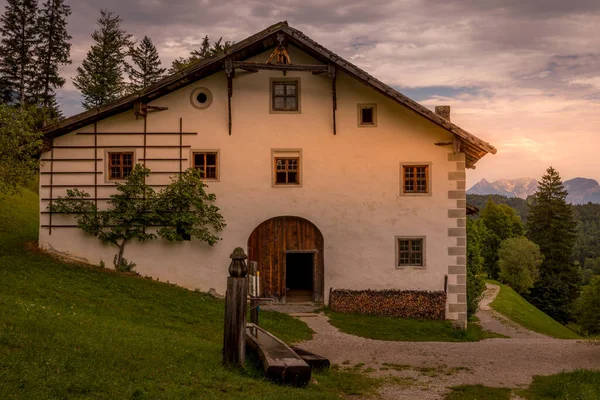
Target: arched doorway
<point>289,253</point>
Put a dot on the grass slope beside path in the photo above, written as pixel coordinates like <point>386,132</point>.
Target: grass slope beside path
<point>73,331</point>
<point>576,385</point>
<point>397,329</point>
<point>510,304</point>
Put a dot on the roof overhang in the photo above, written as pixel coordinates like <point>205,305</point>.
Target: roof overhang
<point>473,147</point>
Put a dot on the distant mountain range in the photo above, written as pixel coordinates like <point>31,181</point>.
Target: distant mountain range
<point>581,190</point>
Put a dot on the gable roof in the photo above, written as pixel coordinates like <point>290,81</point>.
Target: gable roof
<point>473,147</point>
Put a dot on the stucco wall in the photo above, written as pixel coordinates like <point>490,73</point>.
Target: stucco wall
<point>350,185</point>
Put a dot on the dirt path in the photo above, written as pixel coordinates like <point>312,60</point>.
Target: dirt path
<point>493,321</point>
<point>433,366</point>
<point>425,370</point>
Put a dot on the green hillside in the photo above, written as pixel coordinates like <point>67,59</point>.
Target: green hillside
<point>76,331</point>
<point>511,305</point>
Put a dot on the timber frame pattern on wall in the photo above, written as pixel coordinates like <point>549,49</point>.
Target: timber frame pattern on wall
<point>95,158</point>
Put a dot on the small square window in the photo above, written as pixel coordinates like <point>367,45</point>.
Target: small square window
<point>410,252</point>
<point>415,179</point>
<point>287,170</point>
<point>207,163</point>
<point>367,115</point>
<point>284,95</point>
<point>120,165</point>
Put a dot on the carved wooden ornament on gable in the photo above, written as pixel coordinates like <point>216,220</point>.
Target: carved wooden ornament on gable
<point>280,54</point>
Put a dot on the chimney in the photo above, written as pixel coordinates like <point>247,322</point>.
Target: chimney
<point>443,111</point>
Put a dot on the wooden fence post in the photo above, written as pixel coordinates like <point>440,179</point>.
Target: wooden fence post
<point>234,338</point>
<point>253,265</point>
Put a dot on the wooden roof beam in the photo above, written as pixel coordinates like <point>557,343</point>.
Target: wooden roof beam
<point>254,66</point>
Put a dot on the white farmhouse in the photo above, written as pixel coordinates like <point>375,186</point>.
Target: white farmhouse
<point>328,178</point>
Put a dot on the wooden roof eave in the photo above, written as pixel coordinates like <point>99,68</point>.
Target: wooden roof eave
<point>169,84</point>
<point>306,43</point>
<point>475,148</point>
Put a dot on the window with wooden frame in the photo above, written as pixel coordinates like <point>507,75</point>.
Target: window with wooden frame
<point>410,252</point>
<point>367,115</point>
<point>415,179</point>
<point>120,165</point>
<point>287,170</point>
<point>208,164</point>
<point>285,95</point>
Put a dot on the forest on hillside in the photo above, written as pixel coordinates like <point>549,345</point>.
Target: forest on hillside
<point>587,246</point>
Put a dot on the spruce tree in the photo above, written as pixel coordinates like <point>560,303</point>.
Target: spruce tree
<point>100,76</point>
<point>146,68</point>
<point>53,52</point>
<point>205,50</point>
<point>19,38</point>
<point>552,227</point>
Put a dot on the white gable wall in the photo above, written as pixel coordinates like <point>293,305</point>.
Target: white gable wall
<point>350,181</point>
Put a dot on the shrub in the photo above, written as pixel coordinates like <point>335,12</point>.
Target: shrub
<point>519,260</point>
<point>476,232</point>
<point>587,307</point>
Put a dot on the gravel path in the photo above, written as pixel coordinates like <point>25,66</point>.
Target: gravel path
<point>493,321</point>
<point>425,370</point>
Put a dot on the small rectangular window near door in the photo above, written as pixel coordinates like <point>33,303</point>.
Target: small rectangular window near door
<point>410,252</point>
<point>207,163</point>
<point>119,165</point>
<point>287,170</point>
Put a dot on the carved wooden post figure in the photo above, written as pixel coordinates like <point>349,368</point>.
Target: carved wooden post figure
<point>234,338</point>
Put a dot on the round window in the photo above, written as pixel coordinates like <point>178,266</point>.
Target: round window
<point>201,98</point>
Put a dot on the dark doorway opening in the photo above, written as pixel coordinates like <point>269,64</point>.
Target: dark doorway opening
<point>299,277</point>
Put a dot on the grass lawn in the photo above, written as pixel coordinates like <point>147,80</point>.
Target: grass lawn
<point>510,304</point>
<point>397,329</point>
<point>73,331</point>
<point>576,385</point>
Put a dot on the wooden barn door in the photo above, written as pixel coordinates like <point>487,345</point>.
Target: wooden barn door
<point>272,240</point>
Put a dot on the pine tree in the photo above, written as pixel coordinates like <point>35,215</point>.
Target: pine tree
<point>551,225</point>
<point>53,52</point>
<point>205,50</point>
<point>19,38</point>
<point>100,76</point>
<point>145,58</point>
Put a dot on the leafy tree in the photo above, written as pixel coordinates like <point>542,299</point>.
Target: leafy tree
<point>20,146</point>
<point>181,208</point>
<point>502,222</point>
<point>130,212</point>
<point>588,307</point>
<point>480,200</point>
<point>476,233</point>
<point>146,68</point>
<point>591,268</point>
<point>205,50</point>
<point>552,227</point>
<point>186,210</point>
<point>519,260</point>
<point>587,244</point>
<point>100,76</point>
<point>19,38</point>
<point>52,51</point>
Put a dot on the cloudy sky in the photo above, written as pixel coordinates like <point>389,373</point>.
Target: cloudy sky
<point>523,75</point>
